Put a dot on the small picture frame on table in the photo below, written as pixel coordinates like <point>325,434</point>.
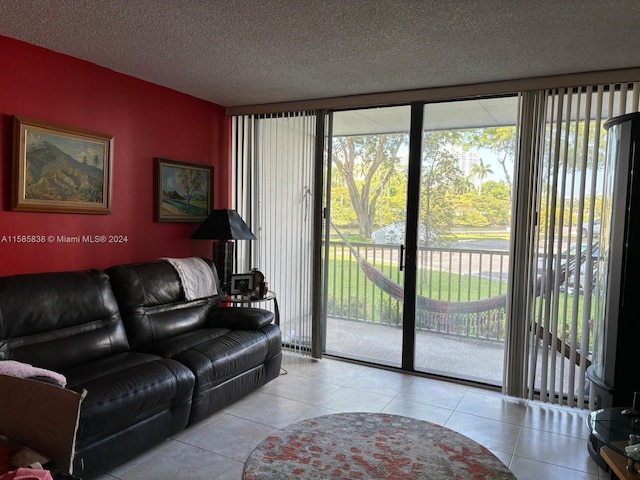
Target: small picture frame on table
<point>242,283</point>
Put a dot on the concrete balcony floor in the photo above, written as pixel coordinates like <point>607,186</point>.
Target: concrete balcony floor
<point>464,358</point>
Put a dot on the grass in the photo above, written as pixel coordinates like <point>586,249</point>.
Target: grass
<point>482,235</point>
<point>431,283</point>
<point>352,295</point>
<point>501,234</point>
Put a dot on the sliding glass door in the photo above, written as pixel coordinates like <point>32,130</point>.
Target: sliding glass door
<point>366,222</point>
<point>417,264</point>
<point>417,257</point>
<point>468,151</point>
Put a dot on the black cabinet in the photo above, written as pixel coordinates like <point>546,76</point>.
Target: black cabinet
<point>616,313</point>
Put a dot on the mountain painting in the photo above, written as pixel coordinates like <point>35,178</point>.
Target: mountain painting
<point>61,169</point>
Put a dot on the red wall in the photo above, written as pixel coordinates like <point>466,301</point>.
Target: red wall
<point>146,120</point>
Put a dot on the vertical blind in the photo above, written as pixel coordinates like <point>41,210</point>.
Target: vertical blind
<point>273,179</point>
<point>521,286</point>
<point>562,152</point>
<point>561,144</point>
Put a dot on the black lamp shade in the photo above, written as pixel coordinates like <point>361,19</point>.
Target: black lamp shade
<point>223,224</point>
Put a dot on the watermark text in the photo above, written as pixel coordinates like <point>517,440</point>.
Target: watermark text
<point>5,239</point>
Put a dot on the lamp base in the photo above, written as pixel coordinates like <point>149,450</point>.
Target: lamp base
<point>223,260</point>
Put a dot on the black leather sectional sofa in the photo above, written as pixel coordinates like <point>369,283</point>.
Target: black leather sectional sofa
<point>151,361</point>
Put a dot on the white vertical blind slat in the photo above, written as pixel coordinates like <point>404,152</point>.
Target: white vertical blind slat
<point>569,189</point>
<point>516,371</point>
<point>559,150</point>
<point>273,176</point>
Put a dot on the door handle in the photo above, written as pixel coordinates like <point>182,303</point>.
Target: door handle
<point>401,257</point>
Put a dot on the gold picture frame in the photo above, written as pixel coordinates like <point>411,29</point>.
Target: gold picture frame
<point>184,191</point>
<point>61,169</point>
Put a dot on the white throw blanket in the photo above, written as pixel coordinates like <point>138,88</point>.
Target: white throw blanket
<point>24,370</point>
<point>196,276</point>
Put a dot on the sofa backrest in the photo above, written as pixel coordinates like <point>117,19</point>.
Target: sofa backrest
<point>153,304</point>
<point>59,320</point>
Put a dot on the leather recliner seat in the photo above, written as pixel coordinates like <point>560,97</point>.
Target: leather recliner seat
<point>231,351</point>
<point>151,361</point>
<point>69,322</point>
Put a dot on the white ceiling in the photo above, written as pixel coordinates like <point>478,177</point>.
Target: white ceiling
<point>247,52</point>
<point>486,112</point>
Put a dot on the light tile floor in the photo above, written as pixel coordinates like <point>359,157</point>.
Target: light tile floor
<point>535,440</point>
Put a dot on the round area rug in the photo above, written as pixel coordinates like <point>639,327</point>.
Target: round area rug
<point>372,445</point>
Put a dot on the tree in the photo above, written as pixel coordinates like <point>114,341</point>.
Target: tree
<point>467,213</point>
<point>341,211</point>
<point>463,184</point>
<point>392,204</point>
<point>481,171</point>
<point>440,177</point>
<point>370,189</point>
<point>191,181</point>
<point>496,202</point>
<point>499,140</point>
<point>367,163</point>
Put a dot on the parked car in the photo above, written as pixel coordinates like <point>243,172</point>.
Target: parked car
<point>585,264</point>
<point>596,228</point>
<point>394,233</point>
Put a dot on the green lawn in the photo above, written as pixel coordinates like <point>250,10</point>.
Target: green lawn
<point>352,295</point>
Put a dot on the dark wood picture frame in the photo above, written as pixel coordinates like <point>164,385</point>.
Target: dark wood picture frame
<point>242,283</point>
<point>184,191</point>
<point>61,169</point>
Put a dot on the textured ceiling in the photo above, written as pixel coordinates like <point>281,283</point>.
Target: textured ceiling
<point>245,52</point>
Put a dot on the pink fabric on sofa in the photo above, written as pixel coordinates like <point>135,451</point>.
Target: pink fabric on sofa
<point>27,474</point>
<point>24,370</point>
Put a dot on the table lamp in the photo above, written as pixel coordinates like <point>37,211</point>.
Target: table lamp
<point>224,226</point>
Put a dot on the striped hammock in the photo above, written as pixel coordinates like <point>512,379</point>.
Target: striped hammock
<point>487,313</point>
<point>396,291</point>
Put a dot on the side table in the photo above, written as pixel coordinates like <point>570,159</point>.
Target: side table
<point>611,428</point>
<point>270,296</point>
<point>619,464</point>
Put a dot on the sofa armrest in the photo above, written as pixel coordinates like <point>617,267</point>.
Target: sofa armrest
<point>240,318</point>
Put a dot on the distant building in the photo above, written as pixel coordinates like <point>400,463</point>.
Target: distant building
<point>466,159</point>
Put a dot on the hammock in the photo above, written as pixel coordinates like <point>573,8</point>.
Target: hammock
<point>443,312</point>
<point>396,291</point>
<point>431,312</point>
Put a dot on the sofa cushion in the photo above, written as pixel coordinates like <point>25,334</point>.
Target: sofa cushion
<point>217,360</point>
<point>126,389</point>
<point>231,366</point>
<point>170,347</point>
<point>241,318</point>
<point>57,320</point>
<point>153,304</point>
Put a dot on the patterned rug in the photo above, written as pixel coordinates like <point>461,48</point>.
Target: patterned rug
<point>372,445</point>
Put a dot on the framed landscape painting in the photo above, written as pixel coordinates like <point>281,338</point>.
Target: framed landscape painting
<point>61,169</point>
<point>184,191</point>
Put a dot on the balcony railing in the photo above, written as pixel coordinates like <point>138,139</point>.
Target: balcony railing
<point>461,292</point>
